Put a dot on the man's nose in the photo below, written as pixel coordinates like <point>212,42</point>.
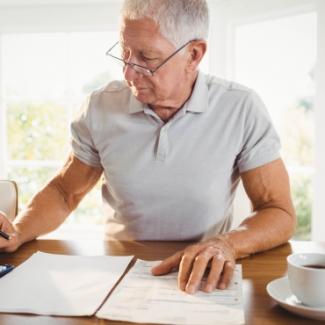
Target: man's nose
<point>129,73</point>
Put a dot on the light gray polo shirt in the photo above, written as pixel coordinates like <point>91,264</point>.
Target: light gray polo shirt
<point>174,180</point>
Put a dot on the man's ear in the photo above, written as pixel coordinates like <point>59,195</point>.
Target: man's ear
<point>196,53</point>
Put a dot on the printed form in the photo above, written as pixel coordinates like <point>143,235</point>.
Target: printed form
<point>143,298</point>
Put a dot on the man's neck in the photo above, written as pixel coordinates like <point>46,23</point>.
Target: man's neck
<point>167,112</point>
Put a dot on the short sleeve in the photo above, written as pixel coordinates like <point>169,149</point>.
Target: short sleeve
<point>261,143</point>
<point>81,139</point>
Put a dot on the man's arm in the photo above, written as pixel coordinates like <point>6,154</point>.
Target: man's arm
<point>50,207</point>
<point>272,223</point>
<point>273,220</point>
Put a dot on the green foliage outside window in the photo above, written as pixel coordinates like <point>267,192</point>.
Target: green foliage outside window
<point>30,180</point>
<point>298,147</point>
<point>298,134</point>
<point>37,131</point>
<point>302,199</point>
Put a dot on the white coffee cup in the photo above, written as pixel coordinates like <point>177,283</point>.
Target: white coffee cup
<point>306,273</point>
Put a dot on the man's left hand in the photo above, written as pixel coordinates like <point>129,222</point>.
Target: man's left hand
<point>214,258</point>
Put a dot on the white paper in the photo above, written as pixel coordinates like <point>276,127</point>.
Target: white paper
<point>141,297</point>
<point>65,285</point>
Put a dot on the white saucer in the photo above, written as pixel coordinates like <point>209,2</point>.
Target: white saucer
<point>280,291</point>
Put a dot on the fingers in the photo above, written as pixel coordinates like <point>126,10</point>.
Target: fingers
<point>7,228</point>
<point>228,271</point>
<point>5,224</point>
<point>168,264</point>
<point>11,244</point>
<point>185,269</point>
<point>197,272</point>
<point>218,259</point>
<point>217,265</point>
<point>194,262</point>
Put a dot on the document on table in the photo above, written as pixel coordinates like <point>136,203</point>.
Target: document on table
<point>65,285</point>
<point>142,298</point>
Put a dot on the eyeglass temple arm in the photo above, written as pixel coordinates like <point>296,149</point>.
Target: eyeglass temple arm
<point>162,63</point>
<point>110,49</point>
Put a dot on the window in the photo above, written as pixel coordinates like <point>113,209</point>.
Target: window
<point>45,78</point>
<point>277,58</point>
<point>46,73</point>
<point>277,48</point>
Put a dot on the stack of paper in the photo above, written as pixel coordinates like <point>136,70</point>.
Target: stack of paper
<point>143,299</point>
<point>49,284</point>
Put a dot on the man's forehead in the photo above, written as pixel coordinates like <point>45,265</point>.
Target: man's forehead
<point>142,46</point>
<point>144,24</point>
<point>143,34</point>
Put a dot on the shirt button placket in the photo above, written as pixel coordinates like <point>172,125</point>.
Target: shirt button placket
<point>162,147</point>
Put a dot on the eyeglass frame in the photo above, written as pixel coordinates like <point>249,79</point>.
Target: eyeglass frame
<point>150,72</point>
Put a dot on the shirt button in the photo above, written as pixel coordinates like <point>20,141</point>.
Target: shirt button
<point>161,157</point>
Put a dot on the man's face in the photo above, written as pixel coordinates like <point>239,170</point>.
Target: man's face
<point>143,44</point>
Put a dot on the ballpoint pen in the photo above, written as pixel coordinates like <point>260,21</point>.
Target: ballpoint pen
<point>4,235</point>
<point>4,269</point>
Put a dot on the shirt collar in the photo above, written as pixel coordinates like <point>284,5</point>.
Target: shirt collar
<point>135,106</point>
<point>197,103</point>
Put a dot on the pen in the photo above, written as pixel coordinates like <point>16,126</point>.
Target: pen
<point>4,235</point>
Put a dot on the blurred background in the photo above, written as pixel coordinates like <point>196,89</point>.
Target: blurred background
<point>52,55</point>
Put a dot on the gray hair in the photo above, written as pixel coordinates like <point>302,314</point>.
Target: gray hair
<point>178,20</point>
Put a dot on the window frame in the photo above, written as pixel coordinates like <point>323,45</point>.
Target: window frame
<point>230,14</point>
<point>3,128</point>
<point>318,222</point>
<point>20,18</point>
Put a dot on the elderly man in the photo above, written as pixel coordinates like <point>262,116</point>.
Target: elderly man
<point>172,144</point>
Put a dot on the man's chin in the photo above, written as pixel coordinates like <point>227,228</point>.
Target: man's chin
<point>143,96</point>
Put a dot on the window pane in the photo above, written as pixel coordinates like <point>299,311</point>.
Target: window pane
<point>90,209</point>
<point>277,58</point>
<point>37,130</point>
<point>302,199</point>
<point>46,77</point>
<point>32,179</point>
<point>298,136</point>
<point>90,68</point>
<point>29,180</point>
<point>56,65</point>
<point>35,65</point>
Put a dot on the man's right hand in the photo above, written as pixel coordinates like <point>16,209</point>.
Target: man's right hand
<point>13,243</point>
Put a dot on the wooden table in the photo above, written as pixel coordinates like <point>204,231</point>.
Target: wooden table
<point>258,270</point>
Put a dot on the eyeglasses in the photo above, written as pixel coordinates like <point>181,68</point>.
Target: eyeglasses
<point>140,68</point>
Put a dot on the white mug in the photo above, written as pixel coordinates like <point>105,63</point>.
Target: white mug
<point>306,273</point>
